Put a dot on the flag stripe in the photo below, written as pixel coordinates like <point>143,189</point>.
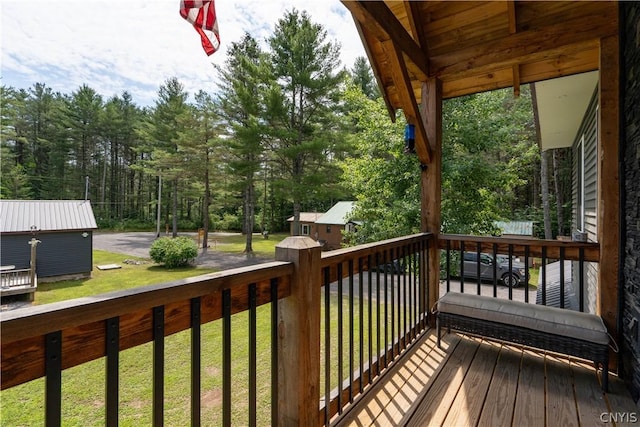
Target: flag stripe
<point>202,15</point>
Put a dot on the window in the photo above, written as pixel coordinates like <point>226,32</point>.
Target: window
<point>580,185</point>
<point>328,229</point>
<point>306,230</point>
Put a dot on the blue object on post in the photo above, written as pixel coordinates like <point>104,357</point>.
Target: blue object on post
<point>409,139</point>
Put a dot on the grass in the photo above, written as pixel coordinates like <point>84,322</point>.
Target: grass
<point>236,243</point>
<point>102,281</point>
<point>83,386</point>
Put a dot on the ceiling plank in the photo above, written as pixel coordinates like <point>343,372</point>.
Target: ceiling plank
<point>416,24</point>
<point>408,100</point>
<point>380,21</point>
<point>513,28</point>
<point>522,47</point>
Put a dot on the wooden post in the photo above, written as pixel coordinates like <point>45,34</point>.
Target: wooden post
<point>32,263</point>
<point>608,185</point>
<point>299,334</point>
<point>431,183</point>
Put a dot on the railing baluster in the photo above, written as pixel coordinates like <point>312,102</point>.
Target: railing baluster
<point>226,357</point>
<point>327,344</point>
<point>158,366</point>
<point>386,312</point>
<point>351,333</point>
<point>510,286</point>
<point>448,266</point>
<point>561,277</point>
<point>361,322</point>
<point>495,269</point>
<point>340,339</point>
<point>400,306</point>
<point>581,277</point>
<point>378,311</point>
<point>112,351</point>
<point>424,280</point>
<point>253,338</point>
<point>53,384</point>
<point>370,320</point>
<point>462,266</point>
<point>414,298</point>
<point>526,274</point>
<point>274,352</point>
<point>478,252</point>
<point>543,281</point>
<point>196,359</point>
<point>393,305</point>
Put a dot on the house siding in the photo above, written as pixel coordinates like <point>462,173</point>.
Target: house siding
<point>588,129</point>
<point>58,254</point>
<point>630,177</point>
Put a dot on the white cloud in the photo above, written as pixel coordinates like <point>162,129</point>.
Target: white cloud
<point>114,46</point>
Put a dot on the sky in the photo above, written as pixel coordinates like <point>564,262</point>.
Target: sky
<point>135,46</point>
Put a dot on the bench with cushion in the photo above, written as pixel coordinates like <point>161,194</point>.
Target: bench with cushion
<point>548,328</point>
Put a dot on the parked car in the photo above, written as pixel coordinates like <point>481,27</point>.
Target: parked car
<point>513,278</point>
<point>394,267</point>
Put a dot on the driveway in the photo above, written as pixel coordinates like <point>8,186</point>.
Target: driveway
<point>138,243</point>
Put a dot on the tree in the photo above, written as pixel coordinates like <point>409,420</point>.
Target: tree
<point>164,130</point>
<point>242,85</point>
<point>385,180</point>
<point>304,135</point>
<point>363,77</point>
<point>200,141</point>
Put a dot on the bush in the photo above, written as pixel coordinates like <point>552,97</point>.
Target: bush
<point>178,252</point>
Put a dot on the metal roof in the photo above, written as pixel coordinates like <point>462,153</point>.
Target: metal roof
<point>18,216</point>
<point>338,214</point>
<point>308,216</point>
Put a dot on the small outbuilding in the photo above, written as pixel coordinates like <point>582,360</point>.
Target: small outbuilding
<point>307,224</point>
<point>331,225</point>
<point>64,229</point>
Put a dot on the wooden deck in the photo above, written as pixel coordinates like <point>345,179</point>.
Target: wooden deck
<point>17,282</point>
<point>472,382</point>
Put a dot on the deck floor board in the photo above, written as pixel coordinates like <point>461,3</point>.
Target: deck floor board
<point>483,383</point>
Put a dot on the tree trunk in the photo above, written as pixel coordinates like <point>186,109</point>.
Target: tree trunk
<point>559,193</point>
<point>248,217</point>
<point>205,206</point>
<point>175,209</point>
<point>544,188</point>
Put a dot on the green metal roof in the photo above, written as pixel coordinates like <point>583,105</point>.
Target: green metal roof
<point>338,214</point>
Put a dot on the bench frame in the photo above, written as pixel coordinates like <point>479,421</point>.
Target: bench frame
<point>528,337</point>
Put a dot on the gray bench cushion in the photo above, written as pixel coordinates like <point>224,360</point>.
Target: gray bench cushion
<point>551,320</point>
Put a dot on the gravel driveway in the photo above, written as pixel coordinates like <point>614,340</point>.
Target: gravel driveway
<point>138,244</point>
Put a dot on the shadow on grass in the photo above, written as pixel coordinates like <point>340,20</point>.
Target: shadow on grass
<point>54,286</point>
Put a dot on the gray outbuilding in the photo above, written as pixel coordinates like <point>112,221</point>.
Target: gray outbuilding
<point>64,229</point>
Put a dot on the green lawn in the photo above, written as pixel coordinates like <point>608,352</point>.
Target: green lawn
<point>83,386</point>
<point>236,243</point>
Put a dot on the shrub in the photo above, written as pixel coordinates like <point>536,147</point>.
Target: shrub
<point>173,253</point>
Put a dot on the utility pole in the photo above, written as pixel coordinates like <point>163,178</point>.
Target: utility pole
<point>159,205</point>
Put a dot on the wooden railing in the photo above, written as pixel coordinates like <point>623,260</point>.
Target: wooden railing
<point>532,253</point>
<point>17,282</point>
<point>375,305</point>
<point>43,341</point>
<point>338,320</point>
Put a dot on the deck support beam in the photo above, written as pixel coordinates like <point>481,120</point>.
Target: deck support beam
<point>431,180</point>
<point>608,185</point>
<point>299,334</point>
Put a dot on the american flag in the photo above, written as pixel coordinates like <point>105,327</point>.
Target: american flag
<point>202,14</point>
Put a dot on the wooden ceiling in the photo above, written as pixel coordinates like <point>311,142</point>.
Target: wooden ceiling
<point>477,46</point>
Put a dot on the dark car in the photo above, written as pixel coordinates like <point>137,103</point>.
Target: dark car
<point>513,278</point>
